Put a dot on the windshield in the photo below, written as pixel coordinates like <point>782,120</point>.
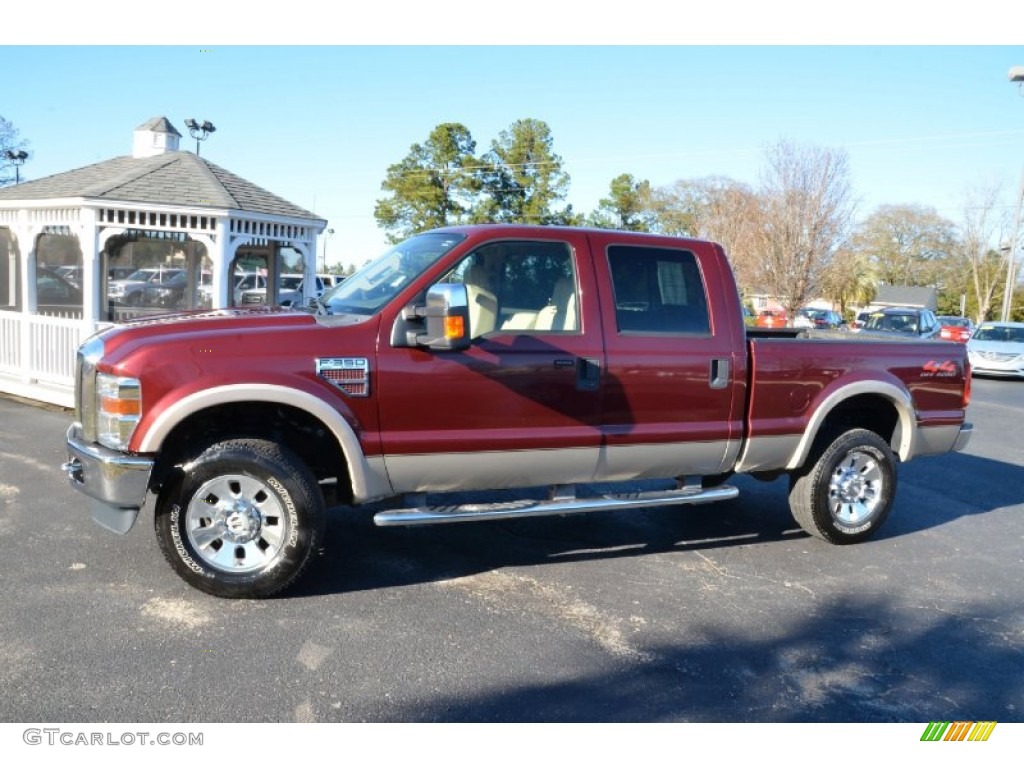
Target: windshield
<point>378,282</point>
<point>892,322</point>
<point>999,333</point>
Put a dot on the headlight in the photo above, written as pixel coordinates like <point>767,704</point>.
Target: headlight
<point>118,409</point>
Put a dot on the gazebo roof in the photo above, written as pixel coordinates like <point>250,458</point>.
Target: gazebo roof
<point>176,178</point>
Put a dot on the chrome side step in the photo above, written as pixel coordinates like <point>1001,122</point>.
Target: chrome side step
<point>563,501</point>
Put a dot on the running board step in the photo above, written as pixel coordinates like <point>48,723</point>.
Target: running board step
<point>559,505</point>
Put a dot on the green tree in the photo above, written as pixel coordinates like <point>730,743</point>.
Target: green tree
<point>9,141</point>
<point>522,178</point>
<point>434,185</point>
<point>908,244</point>
<point>851,281</point>
<point>628,206</point>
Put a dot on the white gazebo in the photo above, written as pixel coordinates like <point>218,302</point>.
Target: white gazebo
<point>193,229</point>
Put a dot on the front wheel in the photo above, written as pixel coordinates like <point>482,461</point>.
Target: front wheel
<point>242,520</point>
<point>845,495</point>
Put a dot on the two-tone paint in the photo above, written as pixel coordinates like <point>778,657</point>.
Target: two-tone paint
<point>526,409</point>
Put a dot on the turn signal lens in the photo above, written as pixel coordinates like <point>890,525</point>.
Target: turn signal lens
<point>454,327</point>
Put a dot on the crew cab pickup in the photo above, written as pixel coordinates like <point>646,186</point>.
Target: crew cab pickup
<point>492,357</point>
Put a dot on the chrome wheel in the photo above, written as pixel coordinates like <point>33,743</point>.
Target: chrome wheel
<point>846,490</point>
<point>244,518</point>
<point>236,523</point>
<point>856,488</point>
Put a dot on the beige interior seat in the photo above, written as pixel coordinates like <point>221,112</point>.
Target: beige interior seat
<point>560,314</point>
<point>483,305</point>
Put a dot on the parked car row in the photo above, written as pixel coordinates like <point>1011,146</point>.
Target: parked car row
<point>808,317</point>
<point>914,322</point>
<point>165,288</point>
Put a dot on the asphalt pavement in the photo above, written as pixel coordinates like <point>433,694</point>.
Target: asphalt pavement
<point>719,613</point>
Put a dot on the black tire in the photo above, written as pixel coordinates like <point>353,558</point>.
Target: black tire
<point>243,520</point>
<point>845,492</point>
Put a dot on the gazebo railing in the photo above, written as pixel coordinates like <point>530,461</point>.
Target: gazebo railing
<point>37,355</point>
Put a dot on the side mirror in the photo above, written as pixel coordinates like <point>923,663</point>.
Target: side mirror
<point>447,317</point>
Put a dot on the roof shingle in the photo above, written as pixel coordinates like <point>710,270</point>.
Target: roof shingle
<point>173,178</point>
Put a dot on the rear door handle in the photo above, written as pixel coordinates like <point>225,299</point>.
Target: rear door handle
<point>588,374</point>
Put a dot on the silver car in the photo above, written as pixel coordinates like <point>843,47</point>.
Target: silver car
<point>997,349</point>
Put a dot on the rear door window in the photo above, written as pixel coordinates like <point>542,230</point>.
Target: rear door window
<point>657,290</point>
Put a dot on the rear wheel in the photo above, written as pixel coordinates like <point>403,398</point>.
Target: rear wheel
<point>244,520</point>
<point>845,495</point>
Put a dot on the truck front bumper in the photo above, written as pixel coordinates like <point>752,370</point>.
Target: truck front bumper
<point>115,483</point>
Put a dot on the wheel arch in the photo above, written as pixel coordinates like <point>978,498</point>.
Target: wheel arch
<point>881,407</point>
<point>311,427</point>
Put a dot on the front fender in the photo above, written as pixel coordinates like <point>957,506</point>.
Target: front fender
<point>368,476</point>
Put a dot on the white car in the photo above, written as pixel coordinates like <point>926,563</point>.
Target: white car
<point>253,290</point>
<point>129,290</point>
<point>997,349</point>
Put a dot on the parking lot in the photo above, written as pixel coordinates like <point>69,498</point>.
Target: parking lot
<point>721,613</point>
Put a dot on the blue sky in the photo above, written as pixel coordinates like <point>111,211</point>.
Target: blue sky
<point>319,125</point>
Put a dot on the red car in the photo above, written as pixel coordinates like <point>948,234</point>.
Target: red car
<point>955,328</point>
<point>772,318</point>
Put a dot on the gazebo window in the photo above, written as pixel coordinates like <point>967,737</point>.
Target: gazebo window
<point>252,275</point>
<point>58,275</point>
<point>151,273</point>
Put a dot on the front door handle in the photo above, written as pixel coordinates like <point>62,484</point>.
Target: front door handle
<point>719,373</point>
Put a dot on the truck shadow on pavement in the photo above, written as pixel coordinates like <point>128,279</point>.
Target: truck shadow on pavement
<point>852,659</point>
<point>359,556</point>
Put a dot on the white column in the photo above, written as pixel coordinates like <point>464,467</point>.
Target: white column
<point>26,235</point>
<point>221,254</point>
<point>92,274</point>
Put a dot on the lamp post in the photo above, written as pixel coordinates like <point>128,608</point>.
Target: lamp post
<point>327,234</point>
<point>1016,76</point>
<point>199,131</point>
<point>17,159</point>
<point>1011,258</point>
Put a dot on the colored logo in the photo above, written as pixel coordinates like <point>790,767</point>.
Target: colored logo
<point>947,366</point>
<point>935,368</point>
<point>959,730</point>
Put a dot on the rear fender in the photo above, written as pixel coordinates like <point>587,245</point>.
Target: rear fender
<point>906,430</point>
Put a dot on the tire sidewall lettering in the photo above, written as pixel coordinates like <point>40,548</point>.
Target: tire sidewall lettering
<point>179,543</point>
<point>293,515</point>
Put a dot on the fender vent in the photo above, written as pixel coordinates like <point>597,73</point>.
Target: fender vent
<point>349,374</point>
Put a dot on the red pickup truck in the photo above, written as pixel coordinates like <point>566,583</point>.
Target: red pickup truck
<point>492,357</point>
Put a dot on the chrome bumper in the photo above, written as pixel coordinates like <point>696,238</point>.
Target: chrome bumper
<point>115,483</point>
<point>964,437</point>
